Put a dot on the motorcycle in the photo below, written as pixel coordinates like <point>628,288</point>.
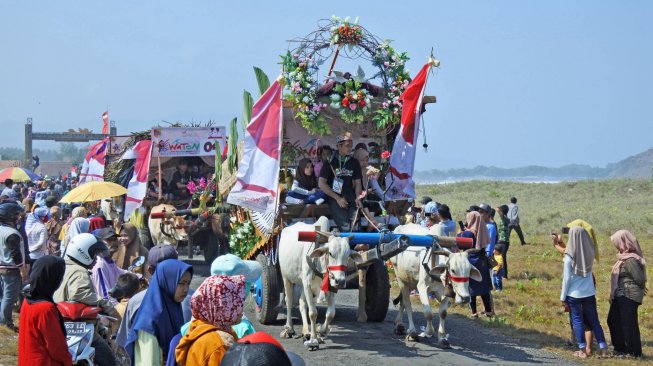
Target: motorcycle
<point>82,322</point>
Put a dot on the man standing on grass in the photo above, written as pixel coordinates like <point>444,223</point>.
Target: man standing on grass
<point>513,216</point>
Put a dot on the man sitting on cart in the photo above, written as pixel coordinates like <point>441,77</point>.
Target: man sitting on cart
<point>180,180</point>
<point>341,181</point>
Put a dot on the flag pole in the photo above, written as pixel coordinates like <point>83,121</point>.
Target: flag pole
<point>280,80</point>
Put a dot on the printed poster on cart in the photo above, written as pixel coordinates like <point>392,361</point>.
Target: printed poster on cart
<point>187,141</point>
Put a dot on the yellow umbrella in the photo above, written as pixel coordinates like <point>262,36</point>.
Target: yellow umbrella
<point>93,191</point>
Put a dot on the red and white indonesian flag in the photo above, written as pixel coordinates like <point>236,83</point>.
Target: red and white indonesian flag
<point>402,161</point>
<point>258,171</point>
<point>137,187</point>
<point>105,123</point>
<point>93,165</point>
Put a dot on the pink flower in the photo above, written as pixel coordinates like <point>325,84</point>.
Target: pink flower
<point>192,188</point>
<point>353,106</point>
<point>385,155</point>
<point>386,64</point>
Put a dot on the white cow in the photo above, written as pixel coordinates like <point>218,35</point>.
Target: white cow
<point>168,230</point>
<point>332,260</point>
<point>411,274</point>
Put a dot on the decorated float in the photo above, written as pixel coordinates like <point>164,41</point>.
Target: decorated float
<point>321,93</point>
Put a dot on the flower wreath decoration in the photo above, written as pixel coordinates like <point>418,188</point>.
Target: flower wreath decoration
<point>350,95</point>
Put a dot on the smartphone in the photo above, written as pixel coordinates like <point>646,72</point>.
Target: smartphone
<point>462,226</point>
<point>565,230</point>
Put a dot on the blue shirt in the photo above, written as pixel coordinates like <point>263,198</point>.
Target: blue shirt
<point>492,229</point>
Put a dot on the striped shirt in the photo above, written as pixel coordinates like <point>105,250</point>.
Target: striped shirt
<point>37,240</point>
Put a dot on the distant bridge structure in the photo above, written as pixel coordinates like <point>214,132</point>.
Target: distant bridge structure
<point>30,136</point>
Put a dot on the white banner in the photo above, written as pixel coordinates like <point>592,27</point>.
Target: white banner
<point>191,141</point>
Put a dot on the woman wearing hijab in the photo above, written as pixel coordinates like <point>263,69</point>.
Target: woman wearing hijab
<point>77,226</point>
<point>161,315</point>
<point>42,335</point>
<point>130,247</point>
<point>77,212</point>
<point>37,233</point>
<point>477,230</point>
<point>560,246</point>
<point>216,305</point>
<point>304,187</point>
<point>54,226</point>
<point>28,203</point>
<point>578,290</point>
<point>627,289</point>
<point>585,225</point>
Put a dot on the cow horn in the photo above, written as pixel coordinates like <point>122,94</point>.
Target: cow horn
<point>441,252</point>
<point>473,250</point>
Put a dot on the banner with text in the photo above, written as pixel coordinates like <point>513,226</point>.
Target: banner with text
<point>187,141</point>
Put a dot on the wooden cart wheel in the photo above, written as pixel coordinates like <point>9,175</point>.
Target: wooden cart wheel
<point>377,292</point>
<point>267,292</point>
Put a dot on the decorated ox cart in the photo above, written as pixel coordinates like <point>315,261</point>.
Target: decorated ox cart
<point>145,162</point>
<point>319,104</point>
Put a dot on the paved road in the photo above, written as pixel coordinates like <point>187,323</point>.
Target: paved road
<point>360,344</point>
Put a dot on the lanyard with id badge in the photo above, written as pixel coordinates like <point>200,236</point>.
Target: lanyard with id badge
<point>338,182</point>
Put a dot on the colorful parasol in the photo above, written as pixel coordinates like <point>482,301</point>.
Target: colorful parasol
<point>93,191</point>
<point>18,175</point>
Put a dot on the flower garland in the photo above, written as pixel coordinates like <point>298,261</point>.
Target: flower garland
<point>300,69</point>
<point>351,100</point>
<point>393,65</point>
<point>298,73</point>
<point>242,238</point>
<point>344,33</point>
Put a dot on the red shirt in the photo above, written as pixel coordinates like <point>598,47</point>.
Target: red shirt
<point>41,340</point>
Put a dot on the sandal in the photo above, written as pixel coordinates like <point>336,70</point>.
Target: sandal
<point>604,353</point>
<point>580,354</point>
<point>474,315</point>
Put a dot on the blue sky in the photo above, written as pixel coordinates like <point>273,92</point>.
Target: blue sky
<point>521,82</point>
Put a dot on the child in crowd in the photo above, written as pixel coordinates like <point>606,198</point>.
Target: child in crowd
<point>127,285</point>
<point>304,187</point>
<point>497,271</point>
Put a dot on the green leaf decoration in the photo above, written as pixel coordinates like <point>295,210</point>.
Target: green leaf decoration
<point>262,80</point>
<point>232,146</point>
<point>248,103</point>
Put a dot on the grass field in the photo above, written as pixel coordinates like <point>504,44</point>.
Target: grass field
<point>529,307</point>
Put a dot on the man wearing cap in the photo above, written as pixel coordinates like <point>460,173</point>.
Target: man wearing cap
<point>105,273</point>
<point>341,181</point>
